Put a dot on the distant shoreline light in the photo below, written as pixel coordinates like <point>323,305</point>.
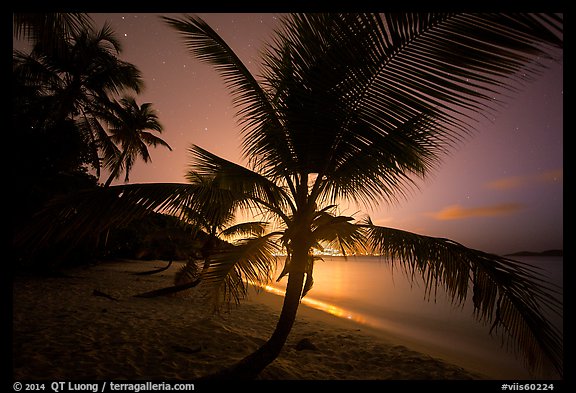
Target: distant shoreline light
<point>332,252</point>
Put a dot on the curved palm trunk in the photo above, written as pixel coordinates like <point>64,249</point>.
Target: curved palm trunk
<point>253,364</point>
<point>170,290</point>
<point>206,251</point>
<point>177,288</point>
<point>155,271</point>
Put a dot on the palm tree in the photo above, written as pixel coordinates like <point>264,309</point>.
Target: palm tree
<point>352,107</point>
<point>128,125</point>
<point>212,211</point>
<point>129,129</point>
<point>357,107</point>
<point>78,79</point>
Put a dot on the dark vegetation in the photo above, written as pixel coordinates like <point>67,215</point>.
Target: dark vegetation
<point>156,236</point>
<point>74,114</point>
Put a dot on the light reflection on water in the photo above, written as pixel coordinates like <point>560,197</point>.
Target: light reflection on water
<point>323,306</point>
<point>367,290</point>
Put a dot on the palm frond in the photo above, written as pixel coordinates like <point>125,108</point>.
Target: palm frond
<point>461,61</point>
<point>49,29</point>
<point>108,75</point>
<point>254,107</point>
<point>454,68</point>
<point>212,206</point>
<point>240,180</point>
<point>29,70</point>
<point>254,228</point>
<point>373,100</point>
<point>372,166</point>
<point>209,216</point>
<point>510,295</point>
<point>249,262</point>
<point>337,232</point>
<point>72,218</point>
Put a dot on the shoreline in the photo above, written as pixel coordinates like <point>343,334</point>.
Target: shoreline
<point>63,330</point>
<point>492,371</point>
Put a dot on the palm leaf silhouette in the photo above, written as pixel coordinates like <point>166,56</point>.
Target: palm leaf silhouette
<point>510,295</point>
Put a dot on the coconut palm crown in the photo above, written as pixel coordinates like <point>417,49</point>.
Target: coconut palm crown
<point>131,127</point>
<point>358,108</point>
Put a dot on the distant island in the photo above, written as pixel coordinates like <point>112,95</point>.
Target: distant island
<point>547,253</point>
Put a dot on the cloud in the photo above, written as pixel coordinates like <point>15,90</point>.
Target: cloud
<point>457,212</point>
<point>512,182</point>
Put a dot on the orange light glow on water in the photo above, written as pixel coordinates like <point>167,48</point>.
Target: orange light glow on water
<point>320,305</point>
<point>332,309</point>
<point>375,294</point>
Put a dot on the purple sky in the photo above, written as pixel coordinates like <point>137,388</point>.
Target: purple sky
<point>500,191</point>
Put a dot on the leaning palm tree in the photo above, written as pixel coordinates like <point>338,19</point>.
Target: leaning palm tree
<point>212,211</point>
<point>130,127</point>
<point>357,107</point>
<point>354,107</point>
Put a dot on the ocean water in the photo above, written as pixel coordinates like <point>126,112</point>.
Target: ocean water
<point>369,291</point>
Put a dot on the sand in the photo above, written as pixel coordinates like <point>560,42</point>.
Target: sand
<point>63,330</point>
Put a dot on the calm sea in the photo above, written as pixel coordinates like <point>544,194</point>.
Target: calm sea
<point>369,291</point>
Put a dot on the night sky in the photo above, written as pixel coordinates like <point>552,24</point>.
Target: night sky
<point>500,191</point>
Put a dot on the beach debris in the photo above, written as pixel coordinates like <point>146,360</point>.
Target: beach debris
<point>96,292</point>
<point>306,344</point>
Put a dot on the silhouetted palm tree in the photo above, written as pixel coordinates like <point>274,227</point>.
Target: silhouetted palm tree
<point>77,80</point>
<point>129,128</point>
<point>352,107</point>
<point>357,107</point>
<point>212,211</point>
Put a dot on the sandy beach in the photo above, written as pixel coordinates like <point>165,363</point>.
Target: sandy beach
<point>64,329</point>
